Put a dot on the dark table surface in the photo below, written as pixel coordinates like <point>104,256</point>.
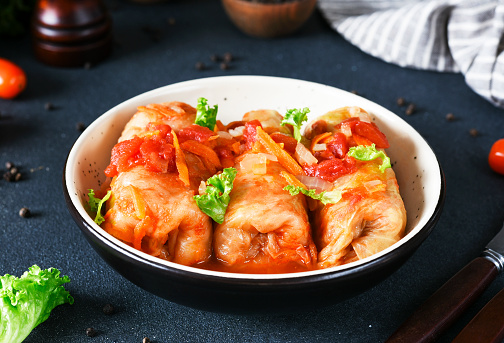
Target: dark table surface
<point>157,45</point>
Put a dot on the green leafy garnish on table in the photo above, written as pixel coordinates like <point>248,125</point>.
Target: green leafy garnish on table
<point>206,116</point>
<point>95,205</point>
<point>326,197</point>
<point>27,301</point>
<point>296,118</point>
<point>216,198</point>
<point>369,153</point>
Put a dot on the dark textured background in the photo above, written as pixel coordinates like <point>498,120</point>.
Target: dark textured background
<point>38,141</point>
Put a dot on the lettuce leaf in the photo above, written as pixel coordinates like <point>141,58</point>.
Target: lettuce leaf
<point>216,198</point>
<point>27,301</point>
<point>95,205</point>
<point>330,197</point>
<point>205,115</point>
<point>296,118</point>
<point>369,153</point>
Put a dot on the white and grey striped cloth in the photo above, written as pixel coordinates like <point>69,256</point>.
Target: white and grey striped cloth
<point>464,36</point>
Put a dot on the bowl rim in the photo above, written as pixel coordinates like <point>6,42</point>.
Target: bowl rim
<point>86,224</point>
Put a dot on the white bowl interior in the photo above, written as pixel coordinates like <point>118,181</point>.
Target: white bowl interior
<point>413,161</point>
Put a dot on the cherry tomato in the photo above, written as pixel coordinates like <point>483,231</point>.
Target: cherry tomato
<point>496,156</point>
<point>12,79</point>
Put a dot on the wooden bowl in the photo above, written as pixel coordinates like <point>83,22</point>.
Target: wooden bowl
<point>269,20</point>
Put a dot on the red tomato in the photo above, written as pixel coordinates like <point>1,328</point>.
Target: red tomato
<point>330,170</point>
<point>338,145</point>
<point>12,79</point>
<point>496,156</point>
<point>371,132</point>
<point>195,132</point>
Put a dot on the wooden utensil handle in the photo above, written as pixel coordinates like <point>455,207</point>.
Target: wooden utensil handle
<point>487,326</point>
<point>447,304</point>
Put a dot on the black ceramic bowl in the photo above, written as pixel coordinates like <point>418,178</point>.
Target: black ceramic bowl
<point>419,175</point>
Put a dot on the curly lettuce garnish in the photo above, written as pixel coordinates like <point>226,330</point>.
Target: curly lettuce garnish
<point>95,205</point>
<point>27,301</point>
<point>216,198</point>
<point>296,118</point>
<point>330,197</point>
<point>369,153</point>
<point>206,116</point>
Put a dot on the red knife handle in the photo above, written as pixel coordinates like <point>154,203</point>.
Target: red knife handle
<point>447,304</point>
<point>487,326</point>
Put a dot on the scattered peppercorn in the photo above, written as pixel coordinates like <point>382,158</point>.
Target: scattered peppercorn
<point>410,109</point>
<point>90,332</point>
<point>80,126</point>
<point>146,340</point>
<point>353,91</point>
<point>12,173</point>
<point>171,21</point>
<point>24,212</point>
<point>88,65</point>
<point>473,132</point>
<point>200,65</point>
<point>215,58</point>
<point>108,309</point>
<point>401,102</point>
<point>48,106</point>
<point>8,177</point>
<point>224,66</point>
<point>450,117</point>
<point>228,57</point>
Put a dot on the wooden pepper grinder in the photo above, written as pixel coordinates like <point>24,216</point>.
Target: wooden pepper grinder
<point>71,33</point>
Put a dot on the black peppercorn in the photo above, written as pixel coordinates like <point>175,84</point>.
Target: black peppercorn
<point>90,332</point>
<point>473,132</point>
<point>214,58</point>
<point>200,65</point>
<point>146,340</point>
<point>17,177</point>
<point>108,309</point>
<point>228,57</point>
<point>9,165</point>
<point>401,102</point>
<point>48,106</point>
<point>224,66</point>
<point>8,176</point>
<point>410,109</point>
<point>80,126</point>
<point>450,117</point>
<point>24,212</point>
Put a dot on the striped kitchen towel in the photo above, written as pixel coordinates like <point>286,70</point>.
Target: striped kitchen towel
<point>443,35</point>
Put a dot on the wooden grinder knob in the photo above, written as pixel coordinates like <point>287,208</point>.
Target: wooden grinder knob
<point>71,33</point>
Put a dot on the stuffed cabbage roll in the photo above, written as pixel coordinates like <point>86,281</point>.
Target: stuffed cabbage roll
<point>265,229</point>
<point>155,176</point>
<point>370,216</point>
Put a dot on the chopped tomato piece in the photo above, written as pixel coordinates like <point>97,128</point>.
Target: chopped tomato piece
<point>330,170</point>
<point>196,133</point>
<point>371,132</point>
<point>359,140</point>
<point>338,145</point>
<point>155,152</point>
<point>289,142</point>
<point>124,155</point>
